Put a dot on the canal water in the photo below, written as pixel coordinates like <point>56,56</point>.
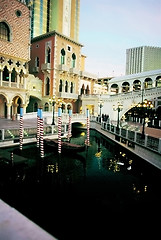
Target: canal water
<point>92,194</point>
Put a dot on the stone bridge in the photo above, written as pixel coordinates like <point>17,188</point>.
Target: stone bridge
<point>128,100</point>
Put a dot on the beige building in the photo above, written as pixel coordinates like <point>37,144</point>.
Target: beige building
<point>60,66</point>
<point>56,54</point>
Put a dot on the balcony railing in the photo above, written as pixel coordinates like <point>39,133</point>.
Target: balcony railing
<point>46,67</point>
<point>63,68</point>
<point>68,95</point>
<point>74,71</point>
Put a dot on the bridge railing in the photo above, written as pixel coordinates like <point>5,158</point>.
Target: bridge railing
<point>131,137</point>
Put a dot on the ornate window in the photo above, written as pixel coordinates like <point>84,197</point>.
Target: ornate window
<point>4,31</point>
<point>73,60</point>
<point>48,54</point>
<point>71,87</point>
<point>63,56</point>
<point>37,62</point>
<point>5,74</point>
<point>61,86</point>
<point>66,86</point>
<point>47,86</point>
<point>14,75</point>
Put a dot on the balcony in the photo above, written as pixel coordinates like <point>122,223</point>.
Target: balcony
<point>63,68</point>
<point>45,67</point>
<point>74,71</point>
<point>68,95</point>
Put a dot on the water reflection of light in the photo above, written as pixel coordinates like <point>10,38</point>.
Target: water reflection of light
<point>139,189</point>
<point>82,134</point>
<point>52,168</point>
<point>114,166</point>
<point>98,156</point>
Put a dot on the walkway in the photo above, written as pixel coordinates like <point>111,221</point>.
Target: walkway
<point>9,124</point>
<point>153,132</point>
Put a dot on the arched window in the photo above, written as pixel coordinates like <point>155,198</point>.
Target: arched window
<point>125,87</point>
<point>21,76</point>
<point>14,75</point>
<point>47,86</point>
<point>46,107</point>
<point>73,60</point>
<point>60,86</point>
<point>37,62</point>
<point>4,31</point>
<point>148,83</point>
<point>82,89</point>
<point>136,85</point>
<point>71,87</point>
<point>63,56</point>
<point>114,88</point>
<point>5,74</point>
<point>87,90</point>
<point>48,54</point>
<point>66,86</point>
<point>158,81</point>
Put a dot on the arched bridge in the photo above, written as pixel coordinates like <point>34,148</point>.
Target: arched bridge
<point>128,100</point>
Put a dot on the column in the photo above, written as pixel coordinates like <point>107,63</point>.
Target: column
<point>18,80</point>
<point>10,79</point>
<point>8,111</point>
<point>1,76</point>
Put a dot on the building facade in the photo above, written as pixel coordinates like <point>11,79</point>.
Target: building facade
<point>15,81</point>
<point>142,59</point>
<point>56,15</point>
<point>14,56</point>
<point>58,62</point>
<point>56,53</point>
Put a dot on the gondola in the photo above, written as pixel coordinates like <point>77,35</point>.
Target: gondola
<point>66,146</point>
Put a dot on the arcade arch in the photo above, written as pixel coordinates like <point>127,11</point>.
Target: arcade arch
<point>3,106</point>
<point>114,88</point>
<point>137,85</point>
<point>125,87</point>
<point>158,81</point>
<point>148,83</point>
<point>17,102</point>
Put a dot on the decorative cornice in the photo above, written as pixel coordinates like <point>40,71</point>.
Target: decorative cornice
<point>54,33</point>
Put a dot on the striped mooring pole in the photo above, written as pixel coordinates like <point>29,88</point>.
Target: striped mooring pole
<point>88,125</point>
<point>69,126</point>
<point>21,128</point>
<point>38,127</point>
<point>59,129</point>
<point>41,134</point>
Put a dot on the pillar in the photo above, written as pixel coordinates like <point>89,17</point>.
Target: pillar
<point>1,76</point>
<point>8,111</point>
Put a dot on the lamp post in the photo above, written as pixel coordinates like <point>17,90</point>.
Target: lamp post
<point>100,105</point>
<point>118,108</point>
<point>52,102</point>
<point>145,105</point>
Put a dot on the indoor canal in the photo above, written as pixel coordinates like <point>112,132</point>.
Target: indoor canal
<point>91,194</point>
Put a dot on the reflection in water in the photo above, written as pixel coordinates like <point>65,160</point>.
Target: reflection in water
<point>71,191</point>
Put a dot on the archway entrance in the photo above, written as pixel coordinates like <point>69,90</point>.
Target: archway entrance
<point>16,104</point>
<point>3,106</point>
